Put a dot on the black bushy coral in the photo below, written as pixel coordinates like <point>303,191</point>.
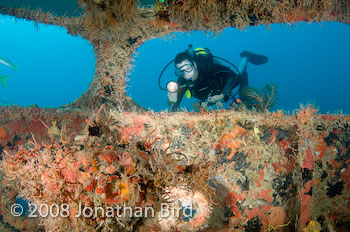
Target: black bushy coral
<point>262,99</point>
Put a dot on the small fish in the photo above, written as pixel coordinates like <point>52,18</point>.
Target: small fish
<point>2,80</point>
<point>8,63</point>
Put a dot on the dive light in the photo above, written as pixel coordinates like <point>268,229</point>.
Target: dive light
<point>172,86</point>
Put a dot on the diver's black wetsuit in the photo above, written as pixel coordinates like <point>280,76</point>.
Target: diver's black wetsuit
<point>218,79</point>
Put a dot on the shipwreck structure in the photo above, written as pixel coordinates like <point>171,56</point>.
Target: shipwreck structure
<point>227,170</point>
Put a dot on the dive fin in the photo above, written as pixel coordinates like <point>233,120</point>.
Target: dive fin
<point>2,79</point>
<point>254,58</point>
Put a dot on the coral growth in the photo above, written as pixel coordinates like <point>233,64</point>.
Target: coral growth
<point>260,100</point>
<point>3,133</point>
<point>88,171</point>
<point>239,169</point>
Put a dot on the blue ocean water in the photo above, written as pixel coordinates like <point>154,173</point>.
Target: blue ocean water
<point>310,63</point>
<point>54,68</point>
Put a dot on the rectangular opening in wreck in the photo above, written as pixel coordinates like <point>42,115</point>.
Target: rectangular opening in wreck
<point>42,65</point>
<point>308,64</point>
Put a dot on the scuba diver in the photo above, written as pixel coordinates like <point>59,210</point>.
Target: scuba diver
<point>203,76</point>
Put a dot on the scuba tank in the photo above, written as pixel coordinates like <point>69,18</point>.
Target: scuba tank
<point>202,56</point>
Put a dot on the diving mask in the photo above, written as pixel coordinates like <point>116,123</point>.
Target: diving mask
<point>184,69</point>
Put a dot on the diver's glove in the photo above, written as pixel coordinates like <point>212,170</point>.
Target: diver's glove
<point>215,98</point>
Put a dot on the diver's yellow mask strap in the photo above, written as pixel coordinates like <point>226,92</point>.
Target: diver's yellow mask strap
<point>188,94</point>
